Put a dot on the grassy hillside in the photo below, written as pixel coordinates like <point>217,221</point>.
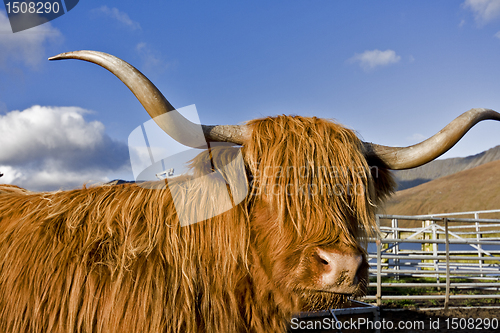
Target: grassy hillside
<point>473,189</point>
<point>439,168</point>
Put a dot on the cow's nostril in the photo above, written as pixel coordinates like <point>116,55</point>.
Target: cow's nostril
<point>321,260</point>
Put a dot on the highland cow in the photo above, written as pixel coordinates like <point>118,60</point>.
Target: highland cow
<point>116,258</point>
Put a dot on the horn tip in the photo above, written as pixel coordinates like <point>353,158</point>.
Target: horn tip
<point>74,55</point>
<point>60,56</point>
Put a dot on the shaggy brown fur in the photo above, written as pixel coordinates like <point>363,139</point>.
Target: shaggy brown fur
<point>115,259</point>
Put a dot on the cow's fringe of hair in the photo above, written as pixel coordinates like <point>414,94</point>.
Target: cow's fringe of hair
<point>116,259</point>
<point>322,177</point>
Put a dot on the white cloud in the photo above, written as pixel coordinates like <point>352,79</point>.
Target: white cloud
<point>118,15</point>
<point>368,60</point>
<point>28,46</point>
<point>484,10</point>
<point>47,148</point>
<point>497,35</point>
<point>151,61</point>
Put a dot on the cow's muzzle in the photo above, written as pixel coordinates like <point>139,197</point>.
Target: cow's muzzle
<point>340,272</point>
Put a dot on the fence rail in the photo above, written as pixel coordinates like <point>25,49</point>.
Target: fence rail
<point>471,253</point>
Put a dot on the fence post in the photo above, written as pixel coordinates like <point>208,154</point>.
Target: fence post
<point>447,297</point>
<point>479,247</point>
<point>435,251</point>
<point>379,264</point>
<point>425,246</point>
<point>395,236</point>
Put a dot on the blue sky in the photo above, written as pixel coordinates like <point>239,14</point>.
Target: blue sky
<point>395,71</point>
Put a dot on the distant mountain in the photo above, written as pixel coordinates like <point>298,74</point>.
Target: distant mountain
<point>440,168</point>
<point>469,190</point>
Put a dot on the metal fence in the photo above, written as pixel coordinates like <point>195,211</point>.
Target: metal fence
<point>447,249</point>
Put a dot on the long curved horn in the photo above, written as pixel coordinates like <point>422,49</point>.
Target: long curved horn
<point>158,107</point>
<point>398,158</point>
